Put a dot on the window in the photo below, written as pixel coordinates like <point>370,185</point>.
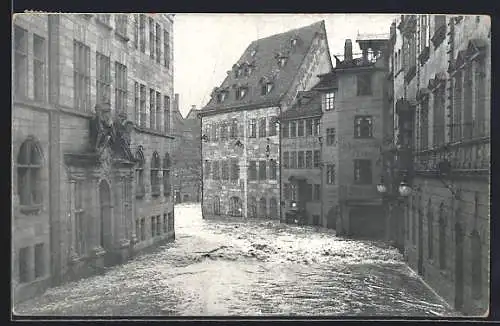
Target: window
<point>139,174</point>
<point>241,92</point>
<point>80,245</point>
<point>282,61</point>
<point>121,24</point>
<point>481,128</point>
<point>363,127</point>
<point>442,238</point>
<point>165,223</point>
<point>221,97</point>
<point>252,170</point>
<point>21,61</point>
<point>273,126</point>
<point>158,225</point>
<point>467,130</point>
<point>253,126</point>
<point>262,127</point>
<point>273,169</point>
<point>286,130</point>
<point>317,192</point>
<point>309,127</point>
<point>300,128</point>
<point>142,30</point>
<point>308,192</point>
<point>39,260</point>
<point>362,171</point>
<point>136,103</point>
<point>364,83</point>
<point>103,78</point>
<point>39,68</point>
<point>167,163</point>
<point>143,229</point>
<point>206,175</point>
<point>29,165</point>
<point>266,88</point>
<point>81,76</point>
<point>430,232</point>
<point>424,124</point>
<point>238,72</point>
<point>286,191</point>
<point>439,101</point>
<point>223,130</point>
<point>215,132</point>
<point>166,48</point>
<point>216,171</point>
<point>136,31</point>
<point>330,174</point>
<point>262,170</point>
<point>329,101</point>
<point>158,43</point>
<point>155,174</point>
<point>152,109</point>
<point>151,38</point>
<point>316,159</point>
<point>120,87</point>
<point>143,106</point>
<point>424,39</point>
<point>166,113</point>
<point>293,129</point>
<point>477,265</point>
<point>293,160</point>
<point>286,160</point>
<point>293,192</point>
<point>158,111</point>
<point>330,136</point>
<point>439,30</point>
<point>234,129</point>
<point>309,159</point>
<point>235,170</point>
<point>317,127</point>
<point>153,226</point>
<point>225,170</point>
<point>24,258</point>
<point>300,158</point>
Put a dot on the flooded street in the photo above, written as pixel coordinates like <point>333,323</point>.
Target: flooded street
<point>248,268</point>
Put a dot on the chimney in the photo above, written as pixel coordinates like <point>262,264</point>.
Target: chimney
<point>348,50</point>
<point>176,102</point>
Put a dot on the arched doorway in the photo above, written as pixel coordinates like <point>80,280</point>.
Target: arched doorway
<point>106,235</point>
<point>459,266</point>
<point>273,208</point>
<point>235,206</point>
<point>216,205</point>
<point>263,208</point>
<point>252,207</point>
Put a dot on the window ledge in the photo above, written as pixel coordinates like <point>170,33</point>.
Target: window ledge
<point>31,209</point>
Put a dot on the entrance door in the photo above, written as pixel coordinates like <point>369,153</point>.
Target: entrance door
<point>216,205</point>
<point>106,235</point>
<point>459,267</point>
<point>177,197</point>
<point>420,243</point>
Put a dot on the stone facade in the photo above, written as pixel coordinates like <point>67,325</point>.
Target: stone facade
<point>447,219</point>
<point>86,211</point>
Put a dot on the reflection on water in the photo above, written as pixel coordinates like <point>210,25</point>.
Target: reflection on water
<point>234,267</point>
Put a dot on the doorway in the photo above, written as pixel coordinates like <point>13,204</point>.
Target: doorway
<point>459,267</point>
<point>106,223</point>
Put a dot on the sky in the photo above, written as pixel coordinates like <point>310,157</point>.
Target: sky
<point>207,45</point>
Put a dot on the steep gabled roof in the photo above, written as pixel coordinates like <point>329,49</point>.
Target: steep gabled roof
<point>308,104</point>
<point>327,81</point>
<point>264,63</point>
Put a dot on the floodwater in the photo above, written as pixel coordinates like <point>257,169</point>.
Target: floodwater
<point>248,268</point>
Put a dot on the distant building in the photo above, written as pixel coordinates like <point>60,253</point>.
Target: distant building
<point>442,119</point>
<point>241,143</point>
<point>91,143</point>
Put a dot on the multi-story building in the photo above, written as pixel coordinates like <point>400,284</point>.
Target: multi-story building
<point>87,186</point>
<point>300,162</point>
<point>353,98</point>
<point>443,141</point>
<point>240,124</point>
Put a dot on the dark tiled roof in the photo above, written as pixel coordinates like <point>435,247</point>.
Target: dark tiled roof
<point>265,65</point>
<point>308,104</point>
<point>327,81</point>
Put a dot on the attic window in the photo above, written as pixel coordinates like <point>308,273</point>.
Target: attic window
<point>238,72</point>
<point>248,70</point>
<point>293,42</point>
<point>253,52</point>
<point>241,92</point>
<point>221,97</point>
<point>281,61</point>
<point>266,88</point>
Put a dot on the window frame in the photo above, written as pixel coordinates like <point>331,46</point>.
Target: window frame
<point>29,176</point>
<point>358,127</point>
<point>155,174</point>
<point>81,76</point>
<point>329,101</point>
<point>167,185</point>
<point>121,91</point>
<point>21,54</point>
<point>103,77</point>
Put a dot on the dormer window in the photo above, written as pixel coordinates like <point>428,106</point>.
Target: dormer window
<point>266,88</point>
<point>238,72</point>
<point>240,93</point>
<point>281,61</point>
<point>221,97</point>
<point>253,53</point>
<point>249,70</point>
<point>293,42</point>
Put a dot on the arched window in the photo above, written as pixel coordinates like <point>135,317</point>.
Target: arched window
<point>29,165</point>
<point>263,208</point>
<point>252,207</point>
<point>273,207</point>
<point>477,265</point>
<point>167,163</point>
<point>139,173</point>
<point>235,206</point>
<point>442,237</point>
<point>430,230</point>
<point>155,174</point>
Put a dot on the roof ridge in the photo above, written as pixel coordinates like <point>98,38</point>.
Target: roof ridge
<point>288,31</point>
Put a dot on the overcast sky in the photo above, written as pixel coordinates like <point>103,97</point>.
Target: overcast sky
<point>207,45</point>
